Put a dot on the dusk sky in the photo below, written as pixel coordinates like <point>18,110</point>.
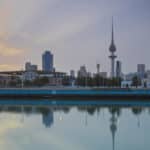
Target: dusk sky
<point>77,32</point>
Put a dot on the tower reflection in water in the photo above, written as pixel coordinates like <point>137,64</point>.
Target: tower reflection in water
<point>47,113</point>
<point>115,112</point>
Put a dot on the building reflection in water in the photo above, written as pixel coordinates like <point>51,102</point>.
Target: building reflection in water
<point>137,111</point>
<point>47,113</point>
<point>48,118</point>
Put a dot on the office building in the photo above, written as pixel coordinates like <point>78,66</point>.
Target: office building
<point>27,66</point>
<point>130,76</point>
<point>118,69</point>
<point>141,70</point>
<point>72,73</point>
<point>30,67</point>
<point>47,61</point>
<point>98,68</point>
<point>82,72</point>
<point>148,74</point>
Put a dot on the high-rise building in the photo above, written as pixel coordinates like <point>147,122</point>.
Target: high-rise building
<point>27,66</point>
<point>118,69</point>
<point>112,50</point>
<point>82,72</point>
<point>47,61</point>
<point>98,68</point>
<point>148,74</point>
<point>30,67</point>
<point>141,70</point>
<point>72,73</point>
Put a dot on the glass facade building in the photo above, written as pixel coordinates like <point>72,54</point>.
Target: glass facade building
<point>47,61</point>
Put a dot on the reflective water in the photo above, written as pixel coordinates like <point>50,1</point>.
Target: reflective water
<point>68,125</point>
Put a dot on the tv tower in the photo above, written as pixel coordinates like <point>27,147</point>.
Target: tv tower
<point>112,50</point>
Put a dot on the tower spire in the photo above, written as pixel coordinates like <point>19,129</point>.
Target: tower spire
<point>112,50</point>
<point>112,34</point>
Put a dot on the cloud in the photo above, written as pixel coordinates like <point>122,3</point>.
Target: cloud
<point>9,51</point>
<point>9,67</point>
<point>65,30</point>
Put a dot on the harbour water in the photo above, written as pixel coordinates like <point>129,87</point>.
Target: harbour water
<point>74,125</point>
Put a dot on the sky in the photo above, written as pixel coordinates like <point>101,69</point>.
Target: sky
<point>77,32</point>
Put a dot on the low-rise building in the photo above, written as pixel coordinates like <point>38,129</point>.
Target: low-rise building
<point>146,83</point>
<point>126,84</point>
<point>103,74</point>
<point>54,78</point>
<point>129,77</point>
<point>4,80</point>
<point>29,75</point>
<point>55,81</point>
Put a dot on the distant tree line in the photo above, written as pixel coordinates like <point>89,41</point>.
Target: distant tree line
<point>136,81</point>
<point>93,81</point>
<point>16,82</point>
<point>97,81</point>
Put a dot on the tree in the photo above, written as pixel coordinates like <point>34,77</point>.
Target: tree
<point>41,81</point>
<point>27,83</point>
<point>99,80</point>
<point>66,81</point>
<point>81,81</point>
<point>14,82</point>
<point>136,81</point>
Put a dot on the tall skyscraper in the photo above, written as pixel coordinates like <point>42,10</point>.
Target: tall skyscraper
<point>27,66</point>
<point>112,50</point>
<point>141,70</point>
<point>47,61</point>
<point>72,73</point>
<point>118,69</point>
<point>98,68</point>
<point>82,72</point>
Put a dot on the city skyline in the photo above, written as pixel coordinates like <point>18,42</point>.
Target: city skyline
<point>73,30</point>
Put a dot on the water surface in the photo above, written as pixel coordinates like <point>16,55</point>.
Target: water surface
<point>74,125</point>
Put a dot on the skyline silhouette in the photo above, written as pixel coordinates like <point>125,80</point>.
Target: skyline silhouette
<point>73,30</point>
